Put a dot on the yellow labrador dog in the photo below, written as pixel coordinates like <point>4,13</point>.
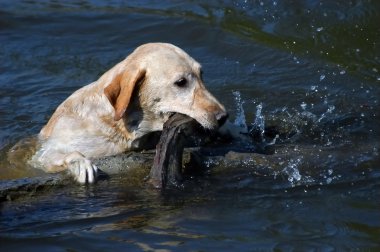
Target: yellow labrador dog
<point>133,98</point>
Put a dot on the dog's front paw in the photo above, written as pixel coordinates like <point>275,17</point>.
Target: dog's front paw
<point>83,171</point>
<point>81,168</point>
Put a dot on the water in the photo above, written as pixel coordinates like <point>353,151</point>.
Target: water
<point>306,72</point>
<point>240,120</point>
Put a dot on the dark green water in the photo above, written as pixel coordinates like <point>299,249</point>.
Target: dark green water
<point>313,66</point>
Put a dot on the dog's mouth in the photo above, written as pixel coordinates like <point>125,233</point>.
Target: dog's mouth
<point>170,114</point>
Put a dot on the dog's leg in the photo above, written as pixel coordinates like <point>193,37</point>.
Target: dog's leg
<point>75,163</point>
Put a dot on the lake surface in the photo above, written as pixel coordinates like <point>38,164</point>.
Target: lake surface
<point>309,68</point>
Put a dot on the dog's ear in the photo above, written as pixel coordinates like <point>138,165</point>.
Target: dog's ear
<point>119,91</point>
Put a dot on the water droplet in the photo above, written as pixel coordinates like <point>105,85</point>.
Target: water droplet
<point>295,59</point>
<point>322,77</point>
<point>303,105</point>
<point>319,29</point>
<point>330,171</point>
<point>342,72</point>
<point>330,109</point>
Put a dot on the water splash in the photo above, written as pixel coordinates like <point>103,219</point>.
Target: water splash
<point>292,171</point>
<point>259,123</point>
<point>328,177</point>
<point>240,120</point>
<point>330,109</point>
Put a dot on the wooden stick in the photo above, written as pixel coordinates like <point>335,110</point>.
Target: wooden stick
<point>167,164</point>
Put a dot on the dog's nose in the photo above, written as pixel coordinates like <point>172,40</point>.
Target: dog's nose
<point>221,117</point>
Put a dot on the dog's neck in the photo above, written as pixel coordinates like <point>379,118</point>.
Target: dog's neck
<point>140,122</point>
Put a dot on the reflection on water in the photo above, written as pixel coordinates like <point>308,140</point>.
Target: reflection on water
<point>304,75</point>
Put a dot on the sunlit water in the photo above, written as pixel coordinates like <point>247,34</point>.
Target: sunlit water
<point>303,76</point>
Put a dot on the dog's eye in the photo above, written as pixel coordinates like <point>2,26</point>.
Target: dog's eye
<point>181,82</point>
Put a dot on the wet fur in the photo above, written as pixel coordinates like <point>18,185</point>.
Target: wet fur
<point>133,98</point>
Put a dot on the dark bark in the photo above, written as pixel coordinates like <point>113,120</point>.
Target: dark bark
<point>167,164</point>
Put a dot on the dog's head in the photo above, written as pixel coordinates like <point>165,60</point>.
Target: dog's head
<point>168,80</point>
